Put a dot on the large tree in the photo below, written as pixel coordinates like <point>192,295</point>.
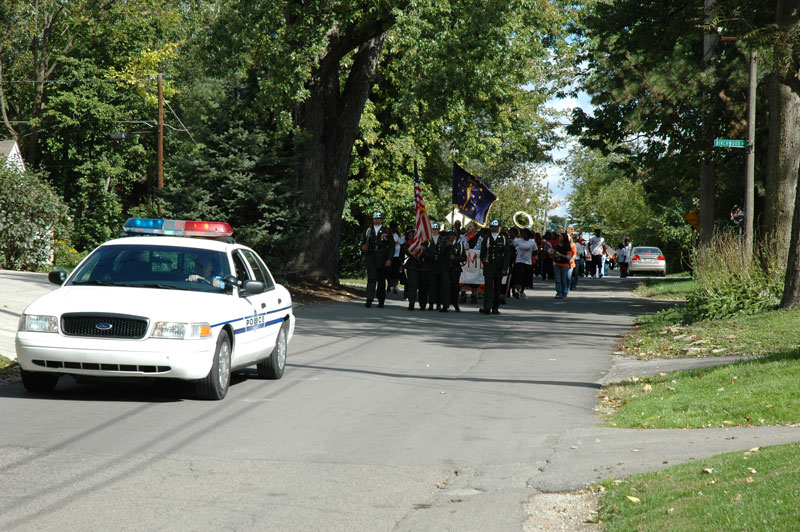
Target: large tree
<point>659,101</point>
<point>324,58</point>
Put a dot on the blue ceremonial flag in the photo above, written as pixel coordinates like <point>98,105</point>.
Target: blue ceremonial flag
<point>472,198</point>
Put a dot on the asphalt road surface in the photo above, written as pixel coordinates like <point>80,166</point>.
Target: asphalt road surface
<point>386,420</point>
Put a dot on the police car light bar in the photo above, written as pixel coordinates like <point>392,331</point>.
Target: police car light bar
<point>150,226</point>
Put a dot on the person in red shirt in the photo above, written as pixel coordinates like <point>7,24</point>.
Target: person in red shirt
<point>563,263</point>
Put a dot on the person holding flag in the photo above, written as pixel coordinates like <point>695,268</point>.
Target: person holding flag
<point>422,230</point>
<point>422,233</point>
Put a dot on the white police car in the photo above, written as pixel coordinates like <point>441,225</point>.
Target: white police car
<point>161,306</point>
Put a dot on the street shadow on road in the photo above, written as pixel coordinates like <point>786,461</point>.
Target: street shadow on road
<point>441,378</point>
<point>600,309</point>
<point>132,390</point>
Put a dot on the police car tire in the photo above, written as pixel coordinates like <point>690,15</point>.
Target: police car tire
<point>274,366</point>
<point>215,386</point>
<point>36,382</point>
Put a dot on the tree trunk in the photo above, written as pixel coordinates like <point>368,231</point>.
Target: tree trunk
<point>329,118</point>
<point>788,19</point>
<point>791,284</point>
<point>783,161</point>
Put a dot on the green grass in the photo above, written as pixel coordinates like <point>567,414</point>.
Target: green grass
<point>355,282</point>
<point>669,334</point>
<point>761,391</point>
<point>756,490</point>
<point>666,288</point>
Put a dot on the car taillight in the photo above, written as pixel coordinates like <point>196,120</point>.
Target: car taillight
<point>661,257</point>
<point>637,257</point>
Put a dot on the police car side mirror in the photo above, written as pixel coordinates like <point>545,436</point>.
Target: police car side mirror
<point>252,287</point>
<point>57,277</point>
<point>231,282</point>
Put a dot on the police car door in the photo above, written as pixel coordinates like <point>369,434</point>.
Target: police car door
<point>266,320</point>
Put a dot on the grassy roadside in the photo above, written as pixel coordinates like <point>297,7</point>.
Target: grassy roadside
<point>675,289</point>
<point>7,368</point>
<point>750,392</point>
<point>755,490</point>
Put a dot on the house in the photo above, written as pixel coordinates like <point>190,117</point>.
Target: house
<point>10,155</point>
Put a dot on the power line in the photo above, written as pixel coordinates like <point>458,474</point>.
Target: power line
<point>81,80</point>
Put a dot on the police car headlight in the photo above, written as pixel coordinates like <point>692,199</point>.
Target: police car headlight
<point>181,331</point>
<point>38,323</point>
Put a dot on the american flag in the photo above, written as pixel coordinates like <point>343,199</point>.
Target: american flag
<point>423,226</point>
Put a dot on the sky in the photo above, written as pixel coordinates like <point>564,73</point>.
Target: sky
<point>553,171</point>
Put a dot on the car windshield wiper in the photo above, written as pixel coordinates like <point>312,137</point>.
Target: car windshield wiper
<point>164,286</point>
<point>100,283</point>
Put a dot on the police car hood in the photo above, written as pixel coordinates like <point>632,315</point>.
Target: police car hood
<point>153,303</point>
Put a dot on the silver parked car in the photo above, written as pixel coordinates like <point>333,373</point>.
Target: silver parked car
<point>647,259</point>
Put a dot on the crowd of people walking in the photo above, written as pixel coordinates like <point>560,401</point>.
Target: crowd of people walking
<point>511,258</point>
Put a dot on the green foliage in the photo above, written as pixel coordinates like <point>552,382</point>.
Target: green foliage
<point>94,52</point>
<point>240,176</point>
<point>65,256</point>
<point>644,73</point>
<point>32,218</point>
<point>610,195</point>
<point>729,283</point>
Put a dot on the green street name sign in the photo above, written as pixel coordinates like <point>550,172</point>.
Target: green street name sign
<point>729,143</point>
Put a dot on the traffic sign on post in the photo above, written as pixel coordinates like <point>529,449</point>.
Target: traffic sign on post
<point>729,143</point>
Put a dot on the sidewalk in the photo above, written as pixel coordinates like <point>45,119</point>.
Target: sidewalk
<point>17,291</point>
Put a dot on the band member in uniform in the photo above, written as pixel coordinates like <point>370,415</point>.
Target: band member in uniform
<point>456,255</point>
<point>411,266</point>
<point>435,267</point>
<point>495,257</point>
<point>377,246</point>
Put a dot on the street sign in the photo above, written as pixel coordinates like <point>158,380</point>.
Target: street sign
<point>729,143</point>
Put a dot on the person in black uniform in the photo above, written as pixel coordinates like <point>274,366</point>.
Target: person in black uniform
<point>456,254</point>
<point>435,267</point>
<point>377,246</point>
<point>411,267</point>
<point>495,257</point>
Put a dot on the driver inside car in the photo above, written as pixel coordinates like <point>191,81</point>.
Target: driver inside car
<point>204,272</point>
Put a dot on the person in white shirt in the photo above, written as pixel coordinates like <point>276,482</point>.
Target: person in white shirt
<point>597,247</point>
<point>394,271</point>
<point>624,256</point>
<point>580,260</point>
<point>523,266</point>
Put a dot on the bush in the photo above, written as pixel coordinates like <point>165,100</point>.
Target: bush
<point>32,218</point>
<point>728,283</point>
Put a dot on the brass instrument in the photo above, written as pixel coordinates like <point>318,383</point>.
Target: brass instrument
<point>526,216</point>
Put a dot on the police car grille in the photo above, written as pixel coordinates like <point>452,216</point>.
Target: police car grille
<point>103,326</point>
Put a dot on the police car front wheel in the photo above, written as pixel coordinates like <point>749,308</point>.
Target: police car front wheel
<point>36,382</point>
<point>215,385</point>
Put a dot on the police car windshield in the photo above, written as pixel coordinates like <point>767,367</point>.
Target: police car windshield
<point>157,267</point>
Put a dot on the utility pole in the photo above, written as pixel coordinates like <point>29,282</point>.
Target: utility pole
<point>749,180</point>
<point>707,175</point>
<point>160,135</point>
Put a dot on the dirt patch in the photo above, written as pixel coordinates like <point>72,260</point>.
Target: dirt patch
<point>9,371</point>
<point>573,511</point>
<point>306,292</point>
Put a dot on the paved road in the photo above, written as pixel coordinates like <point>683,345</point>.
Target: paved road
<point>385,420</point>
